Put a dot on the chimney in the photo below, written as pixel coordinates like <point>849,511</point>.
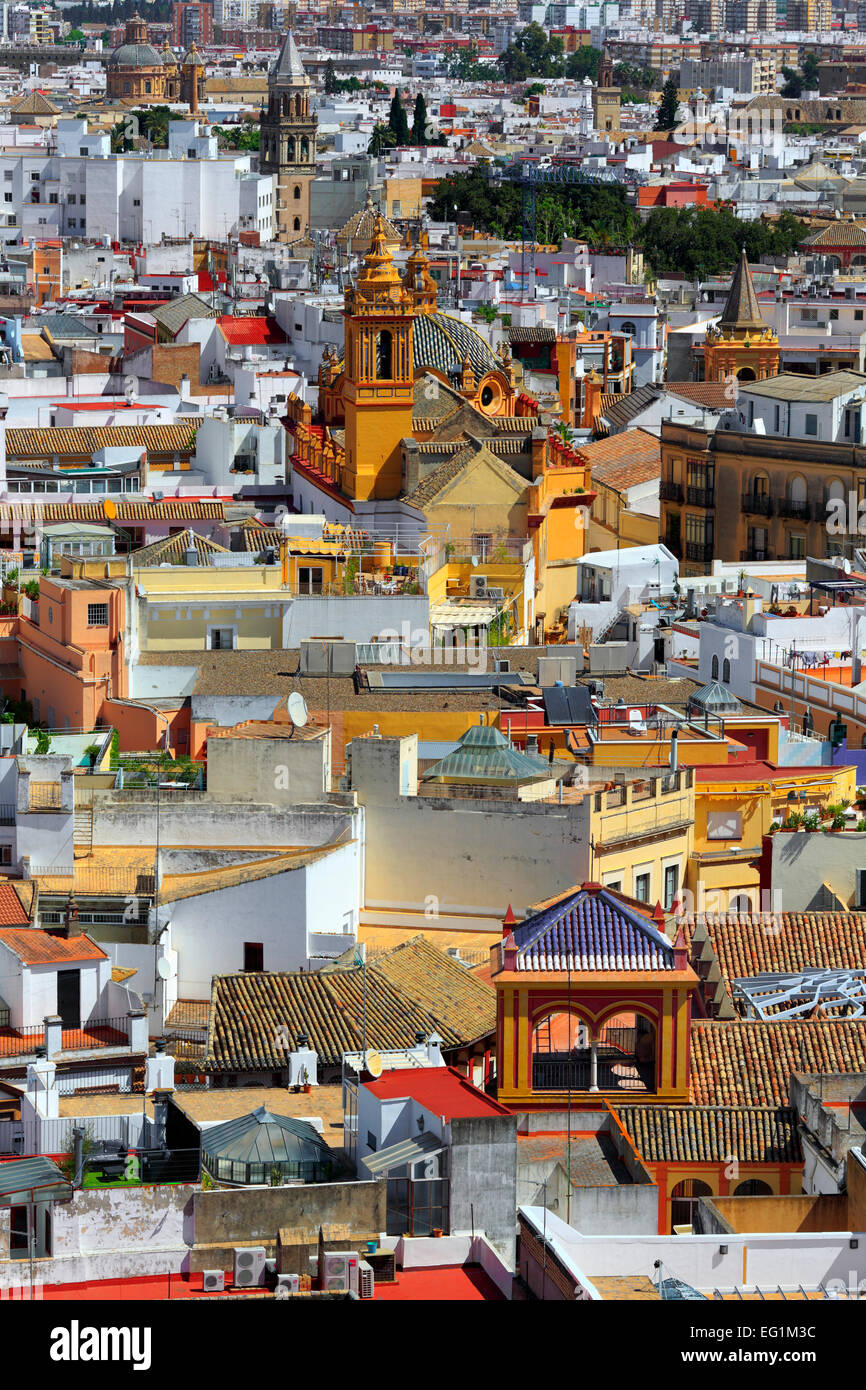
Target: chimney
<point>675,733</point>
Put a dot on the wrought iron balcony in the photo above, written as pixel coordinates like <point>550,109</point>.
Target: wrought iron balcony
<point>701,496</point>
<point>797,511</point>
<point>699,550</point>
<point>757,504</point>
<point>671,492</point>
<point>757,553</point>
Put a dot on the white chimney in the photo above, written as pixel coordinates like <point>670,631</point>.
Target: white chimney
<point>159,1070</point>
<point>42,1089</point>
<point>303,1063</point>
<point>434,1050</point>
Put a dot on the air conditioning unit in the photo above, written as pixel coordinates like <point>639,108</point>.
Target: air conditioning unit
<point>340,1271</point>
<point>214,1280</point>
<point>249,1269</point>
<point>478,586</point>
<point>290,1282</point>
<point>366,1280</point>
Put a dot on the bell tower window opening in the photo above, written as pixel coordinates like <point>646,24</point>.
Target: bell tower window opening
<point>384,355</point>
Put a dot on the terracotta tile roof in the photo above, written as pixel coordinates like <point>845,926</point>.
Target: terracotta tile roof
<point>251,1014</point>
<point>442,986</point>
<point>171,550</point>
<point>12,914</point>
<point>751,1063</point>
<point>715,395</point>
<point>36,947</point>
<point>711,1134</point>
<point>838,234</point>
<point>175,887</point>
<point>48,441</point>
<point>623,460</point>
<point>174,509</point>
<point>189,1013</point>
<point>752,943</point>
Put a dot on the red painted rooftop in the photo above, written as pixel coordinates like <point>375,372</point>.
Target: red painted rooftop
<point>439,1089</point>
<point>254,330</point>
<point>757,772</point>
<point>36,947</point>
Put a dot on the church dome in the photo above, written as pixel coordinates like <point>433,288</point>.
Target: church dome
<point>193,58</point>
<point>443,343</point>
<point>357,234</point>
<point>135,55</point>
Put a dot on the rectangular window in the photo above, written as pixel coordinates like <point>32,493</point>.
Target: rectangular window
<point>136,202</point>
<point>858,315</point>
<point>812,424</point>
<point>97,615</point>
<point>222,639</point>
<point>724,825</point>
<point>797,546</point>
<point>309,579</point>
<point>5,854</point>
<point>834,315</point>
<point>777,418</point>
<point>70,198</point>
<point>7,197</point>
<point>254,955</point>
<point>642,887</point>
<point>672,875</point>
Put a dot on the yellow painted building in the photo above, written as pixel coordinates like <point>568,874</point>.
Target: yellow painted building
<point>735,807</point>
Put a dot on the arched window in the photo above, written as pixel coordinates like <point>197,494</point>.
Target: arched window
<point>753,1187</point>
<point>305,150</point>
<point>726,670</point>
<point>297,191</point>
<point>741,902</point>
<point>296,225</point>
<point>797,489</point>
<point>628,327</point>
<point>714,670</point>
<point>760,485</point>
<point>745,374</point>
<point>384,348</point>
<point>685,1199</point>
<point>835,490</point>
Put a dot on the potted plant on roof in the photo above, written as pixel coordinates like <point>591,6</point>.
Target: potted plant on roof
<point>92,752</point>
<point>306,1085</point>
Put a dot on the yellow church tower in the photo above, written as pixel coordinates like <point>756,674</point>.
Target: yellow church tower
<point>378,374</point>
<point>741,344</point>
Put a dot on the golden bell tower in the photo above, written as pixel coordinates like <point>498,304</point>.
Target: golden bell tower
<point>378,374</point>
<point>741,344</point>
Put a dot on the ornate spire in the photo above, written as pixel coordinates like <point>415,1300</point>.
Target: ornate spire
<point>288,71</point>
<point>378,280</point>
<point>742,310</point>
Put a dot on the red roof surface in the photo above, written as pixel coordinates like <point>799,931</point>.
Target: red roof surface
<point>250,331</point>
<point>439,1089</point>
<point>12,914</point>
<point>36,947</point>
<point>757,772</point>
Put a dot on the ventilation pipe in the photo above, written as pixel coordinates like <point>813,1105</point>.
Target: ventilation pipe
<point>674,737</point>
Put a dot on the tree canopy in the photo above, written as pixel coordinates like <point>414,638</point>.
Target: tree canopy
<point>699,242</point>
<point>666,116</point>
<point>599,213</point>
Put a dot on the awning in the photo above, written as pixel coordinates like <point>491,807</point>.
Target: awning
<point>25,1180</point>
<point>407,1151</point>
<point>462,614</point>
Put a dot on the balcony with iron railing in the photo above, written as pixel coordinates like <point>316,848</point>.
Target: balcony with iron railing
<point>757,553</point>
<point>794,511</point>
<point>700,551</point>
<point>671,492</point>
<point>701,496</point>
<point>756,504</point>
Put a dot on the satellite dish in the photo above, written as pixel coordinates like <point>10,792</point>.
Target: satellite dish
<point>474,561</point>
<point>373,1063</point>
<point>163,969</point>
<point>297,707</point>
<point>109,509</point>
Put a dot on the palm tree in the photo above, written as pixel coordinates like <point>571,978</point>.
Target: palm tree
<point>383,138</point>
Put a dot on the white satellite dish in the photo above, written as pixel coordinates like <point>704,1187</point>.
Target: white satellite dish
<point>297,707</point>
<point>163,968</point>
<point>373,1063</point>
